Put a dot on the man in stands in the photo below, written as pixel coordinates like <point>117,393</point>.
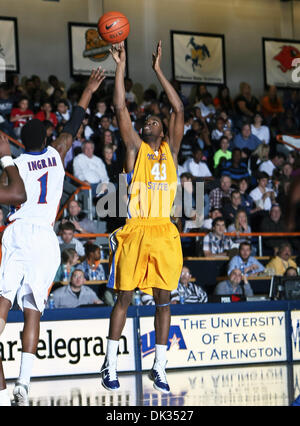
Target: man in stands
<point>215,243</point>
<point>236,283</point>
<point>246,263</point>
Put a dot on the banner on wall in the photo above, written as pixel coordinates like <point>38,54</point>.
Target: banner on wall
<point>67,347</point>
<point>295,336</point>
<point>88,51</point>
<point>198,57</point>
<point>218,339</point>
<point>9,52</point>
<point>281,58</point>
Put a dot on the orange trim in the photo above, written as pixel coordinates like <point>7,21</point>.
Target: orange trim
<point>202,234</point>
<point>13,140</point>
<point>280,140</point>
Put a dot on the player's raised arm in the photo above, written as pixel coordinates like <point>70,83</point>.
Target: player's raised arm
<point>130,138</point>
<point>64,142</point>
<point>14,192</point>
<point>176,124</point>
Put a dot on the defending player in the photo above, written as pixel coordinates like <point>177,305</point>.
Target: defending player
<point>31,255</point>
<point>147,250</point>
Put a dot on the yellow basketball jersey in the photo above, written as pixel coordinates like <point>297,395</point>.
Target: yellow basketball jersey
<point>152,183</point>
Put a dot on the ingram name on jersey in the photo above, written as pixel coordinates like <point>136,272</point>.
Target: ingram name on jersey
<point>43,176</point>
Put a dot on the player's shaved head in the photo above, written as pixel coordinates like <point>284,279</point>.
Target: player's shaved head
<point>33,135</point>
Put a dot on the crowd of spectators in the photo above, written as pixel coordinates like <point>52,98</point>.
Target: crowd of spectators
<point>229,143</point>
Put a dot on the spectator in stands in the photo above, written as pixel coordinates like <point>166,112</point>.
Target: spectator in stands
<point>236,283</point>
<point>112,166</point>
<point>189,141</point>
<point>247,202</point>
<point>273,223</point>
<point>223,100</point>
<point>200,91</point>
<point>261,195</point>
<point>83,225</point>
<point>206,106</point>
<point>223,152</point>
<point>236,168</point>
<point>69,260</point>
<point>291,272</point>
<point>215,243</point>
<point>76,293</point>
<point>271,104</point>
<point>104,123</point>
<point>246,105</point>
<point>90,169</point>
<point>257,157</point>
<point>129,94</point>
<point>245,139</point>
<point>53,85</point>
<point>50,132</point>
<point>107,138</point>
<point>282,261</point>
<point>91,266</point>
<point>195,166</point>
<point>240,226</point>
<point>20,115</point>
<point>66,238</point>
<point>275,163</point>
<point>148,300</point>
<point>101,108</point>
<point>63,112</point>
<point>229,210</point>
<point>190,292</point>
<point>46,113</point>
<point>75,149</point>
<point>246,263</point>
<point>218,132</point>
<point>259,130</point>
<point>213,214</point>
<point>287,170</point>
<point>289,123</point>
<point>185,203</point>
<point>217,195</point>
<point>6,106</point>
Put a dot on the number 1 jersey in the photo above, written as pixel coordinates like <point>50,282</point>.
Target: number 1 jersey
<point>43,176</point>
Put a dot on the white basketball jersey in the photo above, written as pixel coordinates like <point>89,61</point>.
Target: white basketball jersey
<point>43,176</point>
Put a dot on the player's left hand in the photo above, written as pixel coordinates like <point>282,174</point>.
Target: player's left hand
<point>156,57</point>
<point>96,78</point>
<point>4,145</point>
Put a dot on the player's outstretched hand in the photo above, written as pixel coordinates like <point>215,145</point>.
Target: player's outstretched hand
<point>118,52</point>
<point>96,78</point>
<point>4,145</point>
<point>156,57</point>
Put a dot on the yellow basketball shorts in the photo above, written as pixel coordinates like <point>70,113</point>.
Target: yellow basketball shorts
<point>145,253</point>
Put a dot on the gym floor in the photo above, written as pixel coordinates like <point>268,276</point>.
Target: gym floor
<point>253,385</point>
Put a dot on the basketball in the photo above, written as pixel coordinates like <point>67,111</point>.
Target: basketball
<point>113,27</point>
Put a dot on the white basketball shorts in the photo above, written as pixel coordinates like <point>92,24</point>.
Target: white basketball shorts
<point>30,259</point>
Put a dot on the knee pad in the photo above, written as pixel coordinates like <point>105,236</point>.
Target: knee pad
<point>161,306</point>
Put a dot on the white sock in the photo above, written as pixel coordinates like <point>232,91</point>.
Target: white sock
<point>4,398</point>
<point>27,361</point>
<point>112,351</point>
<point>160,354</point>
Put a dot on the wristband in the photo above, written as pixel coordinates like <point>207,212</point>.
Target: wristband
<point>7,161</point>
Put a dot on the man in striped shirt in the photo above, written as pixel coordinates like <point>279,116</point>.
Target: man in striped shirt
<point>190,292</point>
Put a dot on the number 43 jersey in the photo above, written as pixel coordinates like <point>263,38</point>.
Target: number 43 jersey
<point>152,183</point>
<point>43,176</point>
